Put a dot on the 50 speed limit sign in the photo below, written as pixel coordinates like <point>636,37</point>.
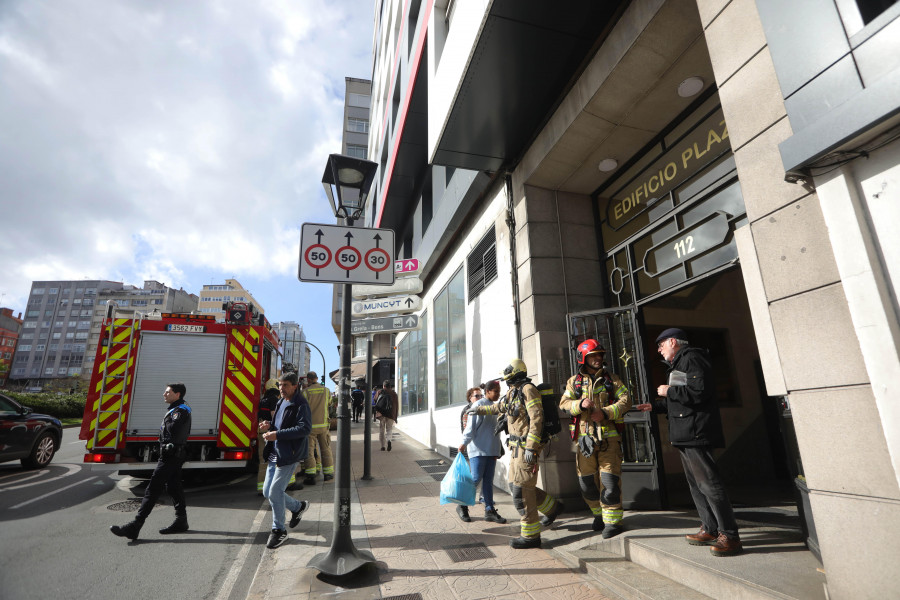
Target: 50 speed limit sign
<point>338,254</point>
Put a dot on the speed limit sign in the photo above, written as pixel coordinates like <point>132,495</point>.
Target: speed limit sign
<point>338,254</point>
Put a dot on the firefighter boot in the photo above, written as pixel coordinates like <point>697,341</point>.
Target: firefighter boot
<point>179,525</point>
<point>130,530</point>
<point>521,543</point>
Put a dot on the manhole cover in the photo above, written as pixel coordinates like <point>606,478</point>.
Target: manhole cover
<point>130,505</point>
<point>468,552</point>
<point>431,462</point>
<point>438,476</point>
<point>436,469</point>
<point>416,596</point>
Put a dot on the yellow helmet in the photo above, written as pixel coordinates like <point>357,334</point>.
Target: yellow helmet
<point>515,369</point>
<point>271,384</point>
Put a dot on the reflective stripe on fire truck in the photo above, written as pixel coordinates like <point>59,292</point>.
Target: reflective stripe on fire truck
<point>241,388</point>
<point>110,395</point>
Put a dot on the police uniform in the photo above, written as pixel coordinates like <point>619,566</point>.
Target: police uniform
<point>525,419</point>
<point>173,435</point>
<point>318,396</point>
<point>598,458</point>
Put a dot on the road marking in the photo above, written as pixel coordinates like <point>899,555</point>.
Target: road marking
<point>26,478</point>
<point>69,470</point>
<point>21,504</point>
<point>238,565</point>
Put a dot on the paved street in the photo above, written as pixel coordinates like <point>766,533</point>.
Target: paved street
<point>54,524</point>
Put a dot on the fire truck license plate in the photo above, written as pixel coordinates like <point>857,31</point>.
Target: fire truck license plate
<point>186,328</point>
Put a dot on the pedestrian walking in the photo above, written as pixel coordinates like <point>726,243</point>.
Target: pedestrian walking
<point>286,445</point>
<point>358,395</point>
<point>386,407</point>
<point>482,446</point>
<point>173,435</point>
<point>695,428</point>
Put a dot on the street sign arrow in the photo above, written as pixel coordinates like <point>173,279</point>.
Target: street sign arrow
<point>384,324</point>
<point>407,266</point>
<point>397,304</point>
<point>406,285</point>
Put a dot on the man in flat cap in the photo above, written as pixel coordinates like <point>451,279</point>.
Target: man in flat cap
<point>695,428</point>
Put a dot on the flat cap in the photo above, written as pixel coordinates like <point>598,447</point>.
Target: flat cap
<point>672,332</point>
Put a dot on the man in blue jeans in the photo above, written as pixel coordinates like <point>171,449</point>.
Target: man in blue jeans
<point>287,444</point>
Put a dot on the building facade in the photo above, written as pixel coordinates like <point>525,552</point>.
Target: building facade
<point>131,301</point>
<point>613,169</point>
<point>212,296</point>
<point>10,328</point>
<point>295,350</point>
<point>54,339</point>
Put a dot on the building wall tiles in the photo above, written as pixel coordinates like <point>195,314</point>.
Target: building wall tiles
<point>728,51</point>
<point>751,99</point>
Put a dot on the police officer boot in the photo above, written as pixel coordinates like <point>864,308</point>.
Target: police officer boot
<point>179,525</point>
<point>521,543</point>
<point>130,530</point>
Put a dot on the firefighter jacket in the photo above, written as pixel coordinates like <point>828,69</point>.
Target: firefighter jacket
<point>317,396</point>
<point>607,392</point>
<point>524,416</point>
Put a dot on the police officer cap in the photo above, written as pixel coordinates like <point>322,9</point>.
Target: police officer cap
<point>672,332</point>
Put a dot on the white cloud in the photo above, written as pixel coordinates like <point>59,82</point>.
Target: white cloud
<point>165,140</point>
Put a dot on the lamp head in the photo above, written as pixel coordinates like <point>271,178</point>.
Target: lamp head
<point>347,181</point>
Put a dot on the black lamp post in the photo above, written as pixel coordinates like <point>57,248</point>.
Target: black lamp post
<point>347,181</point>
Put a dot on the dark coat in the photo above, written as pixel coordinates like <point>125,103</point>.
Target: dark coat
<point>176,424</point>
<point>693,413</point>
<point>293,422</point>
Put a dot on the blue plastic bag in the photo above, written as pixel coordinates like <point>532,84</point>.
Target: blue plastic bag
<point>457,487</point>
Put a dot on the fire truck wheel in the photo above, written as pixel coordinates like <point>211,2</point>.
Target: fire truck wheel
<point>42,452</point>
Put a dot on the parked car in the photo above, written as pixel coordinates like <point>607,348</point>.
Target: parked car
<point>30,437</point>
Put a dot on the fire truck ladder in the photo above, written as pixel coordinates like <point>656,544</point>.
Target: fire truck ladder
<point>114,384</point>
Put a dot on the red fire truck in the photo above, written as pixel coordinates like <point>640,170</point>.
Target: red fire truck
<point>223,365</point>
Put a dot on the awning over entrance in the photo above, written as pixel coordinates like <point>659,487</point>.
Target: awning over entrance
<point>357,370</point>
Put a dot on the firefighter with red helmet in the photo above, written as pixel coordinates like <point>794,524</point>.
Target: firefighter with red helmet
<point>525,420</point>
<point>598,401</point>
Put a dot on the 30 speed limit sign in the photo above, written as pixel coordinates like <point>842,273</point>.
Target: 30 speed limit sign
<point>338,254</point>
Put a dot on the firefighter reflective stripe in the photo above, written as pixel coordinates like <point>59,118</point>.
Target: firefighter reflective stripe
<point>548,505</point>
<point>241,390</point>
<point>612,515</point>
<point>597,511</point>
<point>111,384</point>
<point>530,530</point>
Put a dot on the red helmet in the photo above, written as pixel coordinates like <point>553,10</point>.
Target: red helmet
<point>588,347</point>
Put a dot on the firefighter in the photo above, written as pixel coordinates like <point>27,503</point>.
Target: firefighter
<point>317,395</point>
<point>598,401</point>
<point>525,418</point>
<point>173,434</point>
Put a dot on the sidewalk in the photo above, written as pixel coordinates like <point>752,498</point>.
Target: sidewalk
<point>423,550</point>
<point>420,546</point>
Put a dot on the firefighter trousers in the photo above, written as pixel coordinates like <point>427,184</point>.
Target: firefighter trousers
<point>600,479</point>
<point>528,499</point>
<point>322,438</point>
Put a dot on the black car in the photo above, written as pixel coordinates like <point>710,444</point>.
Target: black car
<point>31,437</point>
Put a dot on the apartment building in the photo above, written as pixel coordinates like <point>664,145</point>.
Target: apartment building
<point>132,301</point>
<point>610,169</point>
<point>55,331</point>
<point>295,351</point>
<point>212,296</point>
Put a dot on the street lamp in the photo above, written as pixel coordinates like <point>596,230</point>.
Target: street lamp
<point>347,181</point>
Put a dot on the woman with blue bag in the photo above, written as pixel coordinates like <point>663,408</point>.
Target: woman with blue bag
<point>484,448</point>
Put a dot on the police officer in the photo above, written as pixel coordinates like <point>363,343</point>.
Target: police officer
<point>525,418</point>
<point>598,401</point>
<point>173,435</point>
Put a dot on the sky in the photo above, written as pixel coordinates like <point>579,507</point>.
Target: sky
<point>178,141</point>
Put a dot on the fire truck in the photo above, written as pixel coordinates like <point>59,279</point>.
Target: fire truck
<point>224,367</point>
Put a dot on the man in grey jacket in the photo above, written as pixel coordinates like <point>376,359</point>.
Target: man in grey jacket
<point>483,448</point>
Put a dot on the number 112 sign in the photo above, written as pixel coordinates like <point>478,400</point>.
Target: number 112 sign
<point>338,254</point>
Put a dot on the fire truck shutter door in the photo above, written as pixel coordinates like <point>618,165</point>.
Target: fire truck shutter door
<point>197,360</point>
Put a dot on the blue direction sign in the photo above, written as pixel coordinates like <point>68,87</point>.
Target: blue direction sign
<point>338,254</point>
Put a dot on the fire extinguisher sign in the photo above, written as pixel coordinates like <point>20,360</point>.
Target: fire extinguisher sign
<point>338,254</point>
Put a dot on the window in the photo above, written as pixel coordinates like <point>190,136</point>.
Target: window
<point>48,371</point>
<point>361,100</point>
<point>61,371</point>
<point>30,325</point>
<point>32,314</point>
<point>76,301</point>
<point>70,336</point>
<point>27,336</point>
<point>80,335</point>
<point>74,371</point>
<point>139,303</point>
<point>450,343</point>
<point>357,125</point>
<point>412,364</point>
<point>40,347</point>
<point>360,345</point>
<point>158,301</point>
<point>38,291</point>
<point>84,324</point>
<point>356,151</point>
<point>58,324</point>
<point>482,264</point>
<point>57,335</point>
<point>25,347</point>
<point>54,290</point>
<point>86,313</point>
